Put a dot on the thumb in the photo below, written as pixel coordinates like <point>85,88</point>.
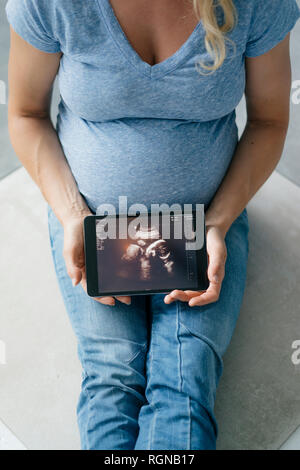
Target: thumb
<point>216,265</point>
<point>76,275</point>
<point>74,259</point>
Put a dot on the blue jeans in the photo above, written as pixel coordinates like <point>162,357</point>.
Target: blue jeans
<point>151,370</point>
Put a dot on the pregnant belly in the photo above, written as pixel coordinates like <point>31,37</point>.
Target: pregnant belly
<point>148,160</point>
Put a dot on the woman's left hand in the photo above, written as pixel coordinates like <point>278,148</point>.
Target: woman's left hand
<point>217,254</point>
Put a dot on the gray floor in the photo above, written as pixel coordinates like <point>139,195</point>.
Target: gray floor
<point>258,403</point>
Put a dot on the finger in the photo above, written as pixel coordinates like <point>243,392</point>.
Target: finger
<point>74,264</point>
<point>74,273</point>
<point>83,282</point>
<point>102,300</point>
<point>105,300</point>
<point>209,296</point>
<point>125,299</point>
<point>183,296</point>
<point>192,293</point>
<point>176,295</point>
<point>216,265</point>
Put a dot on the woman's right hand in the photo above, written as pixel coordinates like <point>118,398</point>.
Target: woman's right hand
<point>74,256</point>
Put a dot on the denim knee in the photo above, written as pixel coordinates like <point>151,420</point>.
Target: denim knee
<point>112,393</point>
<point>201,369</point>
<point>112,362</point>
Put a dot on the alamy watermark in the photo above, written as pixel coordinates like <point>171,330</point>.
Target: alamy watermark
<point>295,358</point>
<point>296,93</point>
<point>2,92</point>
<point>2,353</point>
<point>181,219</point>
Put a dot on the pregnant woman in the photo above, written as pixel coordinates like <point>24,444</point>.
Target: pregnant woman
<point>148,91</point>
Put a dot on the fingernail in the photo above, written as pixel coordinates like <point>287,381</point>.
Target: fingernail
<point>216,278</point>
<point>74,282</point>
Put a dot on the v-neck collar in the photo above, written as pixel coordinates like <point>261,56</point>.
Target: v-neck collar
<point>151,71</point>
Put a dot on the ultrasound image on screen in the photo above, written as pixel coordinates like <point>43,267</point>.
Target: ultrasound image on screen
<point>146,260</point>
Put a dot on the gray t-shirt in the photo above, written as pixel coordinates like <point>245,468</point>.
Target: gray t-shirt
<point>161,133</point>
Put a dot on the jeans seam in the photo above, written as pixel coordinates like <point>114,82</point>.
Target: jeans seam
<point>150,446</point>
<point>179,346</point>
<point>205,402</point>
<point>205,340</point>
<point>53,250</point>
<point>150,356</point>
<point>89,413</point>
<point>190,424</point>
<point>150,440</point>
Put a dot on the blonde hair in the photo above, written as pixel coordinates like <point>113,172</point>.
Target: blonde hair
<point>215,37</point>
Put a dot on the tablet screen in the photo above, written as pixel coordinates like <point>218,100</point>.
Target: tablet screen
<point>154,256</point>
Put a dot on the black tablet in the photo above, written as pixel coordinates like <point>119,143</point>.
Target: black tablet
<point>145,254</point>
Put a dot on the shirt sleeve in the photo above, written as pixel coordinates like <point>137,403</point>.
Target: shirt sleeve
<point>271,21</point>
<point>33,20</point>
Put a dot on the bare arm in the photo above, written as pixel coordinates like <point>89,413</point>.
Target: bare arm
<point>260,148</point>
<point>31,74</point>
<point>35,141</point>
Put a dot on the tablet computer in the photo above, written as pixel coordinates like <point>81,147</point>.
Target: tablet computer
<point>145,254</point>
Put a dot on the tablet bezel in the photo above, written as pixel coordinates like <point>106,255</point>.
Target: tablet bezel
<point>90,249</point>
